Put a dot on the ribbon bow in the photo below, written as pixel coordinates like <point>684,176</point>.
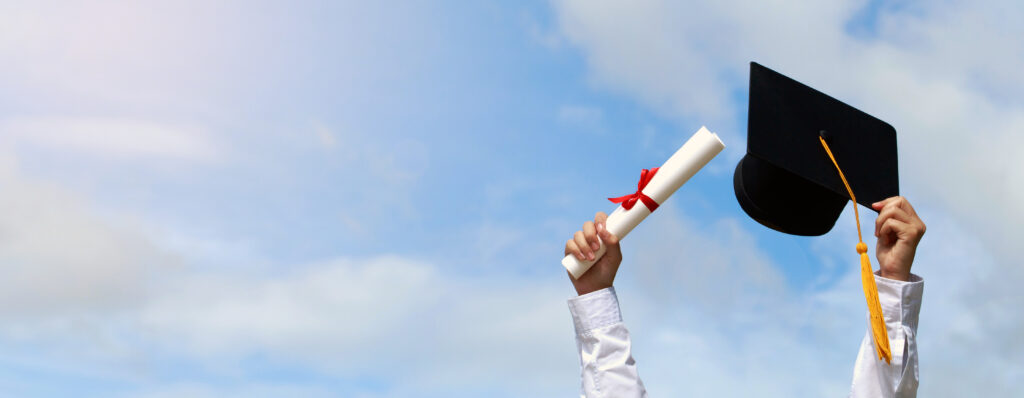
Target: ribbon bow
<point>629,200</point>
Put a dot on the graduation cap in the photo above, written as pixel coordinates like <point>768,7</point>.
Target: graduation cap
<point>790,179</point>
<point>786,181</point>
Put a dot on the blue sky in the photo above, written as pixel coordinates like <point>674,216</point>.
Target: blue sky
<point>369,199</point>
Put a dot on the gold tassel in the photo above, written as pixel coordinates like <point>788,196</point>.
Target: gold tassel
<point>867,276</point>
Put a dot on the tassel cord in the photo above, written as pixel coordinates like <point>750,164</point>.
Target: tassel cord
<point>878,330</point>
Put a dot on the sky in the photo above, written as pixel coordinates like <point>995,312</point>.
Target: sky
<point>370,199</point>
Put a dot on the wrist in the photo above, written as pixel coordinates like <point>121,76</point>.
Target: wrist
<point>587,289</point>
<point>895,275</point>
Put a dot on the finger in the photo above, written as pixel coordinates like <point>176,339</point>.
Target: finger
<point>890,203</point>
<point>891,211</point>
<point>590,233</point>
<point>609,238</point>
<point>581,242</point>
<point>892,229</point>
<point>902,203</point>
<point>600,217</point>
<point>880,204</point>
<point>571,248</point>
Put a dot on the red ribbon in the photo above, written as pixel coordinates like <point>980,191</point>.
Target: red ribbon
<point>629,200</point>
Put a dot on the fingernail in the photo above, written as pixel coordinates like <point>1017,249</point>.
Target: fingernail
<point>600,226</point>
<point>590,256</point>
<point>594,245</point>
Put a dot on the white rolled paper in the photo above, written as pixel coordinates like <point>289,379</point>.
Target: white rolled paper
<point>687,161</point>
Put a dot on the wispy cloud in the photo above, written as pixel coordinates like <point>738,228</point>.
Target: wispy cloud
<point>112,138</point>
<point>59,258</point>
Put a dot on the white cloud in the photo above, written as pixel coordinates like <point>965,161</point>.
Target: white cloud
<point>111,138</point>
<point>621,38</point>
<point>379,317</point>
<point>247,390</point>
<point>342,305</point>
<point>106,301</point>
<point>57,257</point>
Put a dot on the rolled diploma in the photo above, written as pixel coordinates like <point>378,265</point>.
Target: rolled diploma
<point>687,161</point>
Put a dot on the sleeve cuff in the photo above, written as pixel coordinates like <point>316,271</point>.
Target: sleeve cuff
<point>595,310</point>
<point>901,301</point>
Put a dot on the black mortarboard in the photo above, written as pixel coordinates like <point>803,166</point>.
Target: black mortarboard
<point>786,180</point>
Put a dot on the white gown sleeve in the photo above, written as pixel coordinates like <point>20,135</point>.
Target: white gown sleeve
<point>873,378</point>
<point>603,344</point>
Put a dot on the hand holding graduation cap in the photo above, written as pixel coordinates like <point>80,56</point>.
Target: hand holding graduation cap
<point>899,230</point>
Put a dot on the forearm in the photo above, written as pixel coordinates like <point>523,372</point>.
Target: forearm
<point>604,347</point>
<point>872,377</point>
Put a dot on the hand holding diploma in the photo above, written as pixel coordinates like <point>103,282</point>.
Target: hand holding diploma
<point>583,246</point>
<point>654,188</point>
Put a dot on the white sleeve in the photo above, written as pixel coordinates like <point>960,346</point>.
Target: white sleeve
<point>602,341</point>
<point>873,378</point>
